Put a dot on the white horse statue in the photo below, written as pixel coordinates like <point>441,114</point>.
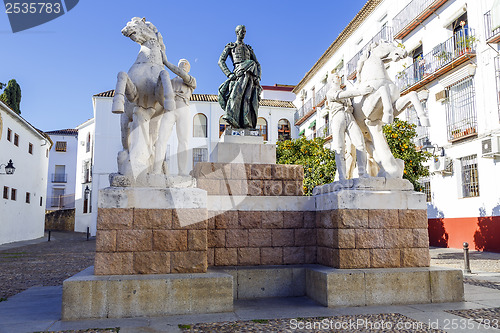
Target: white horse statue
<point>380,107</point>
<point>149,95</point>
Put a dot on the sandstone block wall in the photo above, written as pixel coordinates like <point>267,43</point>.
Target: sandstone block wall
<point>150,241</point>
<point>372,238</point>
<point>249,179</point>
<point>248,238</point>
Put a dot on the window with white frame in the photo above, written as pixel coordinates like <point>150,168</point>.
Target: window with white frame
<point>200,155</point>
<point>470,177</point>
<point>200,126</point>
<point>86,171</point>
<point>461,115</point>
<point>422,132</point>
<point>426,186</point>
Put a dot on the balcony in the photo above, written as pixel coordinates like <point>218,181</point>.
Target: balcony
<point>492,36</point>
<point>384,34</point>
<point>324,132</point>
<point>458,49</point>
<point>414,14</point>
<point>62,201</point>
<point>309,107</point>
<point>59,177</point>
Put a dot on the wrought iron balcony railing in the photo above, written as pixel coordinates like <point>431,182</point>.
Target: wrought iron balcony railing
<point>320,96</point>
<point>384,34</point>
<point>59,177</point>
<point>412,15</point>
<point>492,35</point>
<point>445,56</point>
<point>323,131</point>
<point>62,201</point>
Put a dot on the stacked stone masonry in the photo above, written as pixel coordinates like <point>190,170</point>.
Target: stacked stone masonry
<point>249,179</point>
<point>372,238</point>
<point>150,241</point>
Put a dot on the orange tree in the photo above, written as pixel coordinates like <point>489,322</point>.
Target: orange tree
<point>399,136</point>
<point>318,161</point>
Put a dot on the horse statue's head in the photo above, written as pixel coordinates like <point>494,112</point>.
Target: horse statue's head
<point>388,51</point>
<point>141,31</point>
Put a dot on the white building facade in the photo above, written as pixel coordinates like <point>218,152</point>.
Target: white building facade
<point>22,204</point>
<point>275,122</point>
<point>83,184</point>
<point>452,53</point>
<point>62,169</point>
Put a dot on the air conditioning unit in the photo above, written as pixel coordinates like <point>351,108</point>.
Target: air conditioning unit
<point>442,96</point>
<point>490,147</point>
<point>441,164</point>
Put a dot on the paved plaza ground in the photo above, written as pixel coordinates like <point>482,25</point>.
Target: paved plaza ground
<point>31,275</point>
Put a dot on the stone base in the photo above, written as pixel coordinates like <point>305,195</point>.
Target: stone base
<point>385,286</point>
<point>87,296</point>
<point>244,152</point>
<point>152,181</point>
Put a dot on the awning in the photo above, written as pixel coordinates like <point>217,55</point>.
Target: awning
<point>312,124</point>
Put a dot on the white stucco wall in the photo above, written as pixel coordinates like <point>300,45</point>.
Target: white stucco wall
<point>20,220</point>
<point>84,154</point>
<point>68,159</point>
<point>446,190</point>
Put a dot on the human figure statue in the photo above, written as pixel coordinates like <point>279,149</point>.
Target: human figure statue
<point>239,95</point>
<point>142,96</point>
<point>183,85</point>
<point>342,122</point>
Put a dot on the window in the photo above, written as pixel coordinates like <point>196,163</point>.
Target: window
<point>262,127</point>
<point>60,174</point>
<point>222,126</point>
<point>5,192</point>
<point>47,153</point>
<point>88,143</point>
<point>422,132</point>
<point>86,172</point>
<point>200,155</point>
<point>461,118</point>
<point>470,177</point>
<point>283,130</point>
<point>13,194</point>
<point>57,197</point>
<point>28,197</point>
<point>16,140</point>
<point>61,146</point>
<point>427,191</point>
<point>30,148</point>
<point>418,62</point>
<point>86,200</point>
<point>9,134</point>
<point>41,201</point>
<point>200,126</point>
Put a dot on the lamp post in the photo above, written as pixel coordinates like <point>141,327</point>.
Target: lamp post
<point>9,168</point>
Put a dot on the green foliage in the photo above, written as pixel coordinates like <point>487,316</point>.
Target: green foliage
<point>12,96</point>
<point>318,161</point>
<point>399,136</point>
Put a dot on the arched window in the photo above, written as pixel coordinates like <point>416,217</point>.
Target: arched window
<point>222,126</point>
<point>284,130</point>
<point>200,126</point>
<point>262,127</point>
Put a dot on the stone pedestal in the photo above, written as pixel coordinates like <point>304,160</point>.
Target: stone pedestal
<point>151,231</point>
<point>371,223</point>
<point>247,149</point>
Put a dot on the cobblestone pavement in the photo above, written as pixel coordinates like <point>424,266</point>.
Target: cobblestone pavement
<point>479,261</point>
<point>44,264</point>
<point>389,322</point>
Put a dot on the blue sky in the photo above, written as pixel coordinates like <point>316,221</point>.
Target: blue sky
<point>62,63</point>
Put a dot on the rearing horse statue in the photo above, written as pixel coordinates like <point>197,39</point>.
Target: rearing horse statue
<point>380,107</point>
<point>142,96</point>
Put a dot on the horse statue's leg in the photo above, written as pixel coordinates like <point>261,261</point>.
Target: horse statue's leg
<point>140,142</point>
<point>390,167</point>
<point>124,87</point>
<point>164,92</point>
<point>413,98</point>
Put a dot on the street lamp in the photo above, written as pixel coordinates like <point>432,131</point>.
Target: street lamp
<point>87,192</point>
<point>9,168</point>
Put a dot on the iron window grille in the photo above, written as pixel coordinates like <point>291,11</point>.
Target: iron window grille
<point>470,176</point>
<point>461,115</point>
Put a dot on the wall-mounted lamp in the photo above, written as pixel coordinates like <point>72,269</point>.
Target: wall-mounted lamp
<point>432,148</point>
<point>9,168</point>
<point>87,192</point>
